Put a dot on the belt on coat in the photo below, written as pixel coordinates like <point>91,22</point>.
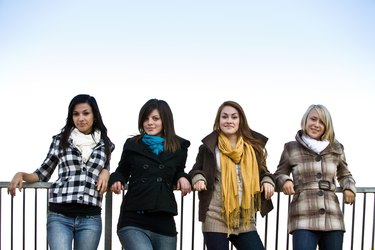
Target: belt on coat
<point>322,185</point>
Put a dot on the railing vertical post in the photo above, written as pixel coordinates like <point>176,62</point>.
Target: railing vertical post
<point>36,219</point>
<point>181,220</point>
<point>353,219</point>
<point>11,222</point>
<point>277,220</point>
<point>47,214</point>
<point>373,225</point>
<point>23,217</point>
<point>0,217</point>
<point>265,232</point>
<point>193,223</point>
<point>108,221</point>
<point>363,220</point>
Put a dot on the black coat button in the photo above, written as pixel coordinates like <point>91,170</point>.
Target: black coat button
<point>161,166</point>
<point>322,211</point>
<point>318,158</point>
<point>318,175</point>
<point>320,193</point>
<point>146,166</point>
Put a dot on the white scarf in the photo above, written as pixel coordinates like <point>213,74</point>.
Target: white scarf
<point>85,143</point>
<point>315,145</point>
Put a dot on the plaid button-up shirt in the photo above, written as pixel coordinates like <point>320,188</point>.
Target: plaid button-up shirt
<point>77,180</point>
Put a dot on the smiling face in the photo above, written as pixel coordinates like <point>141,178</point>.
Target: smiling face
<point>153,124</point>
<point>229,121</point>
<point>83,117</point>
<point>314,126</point>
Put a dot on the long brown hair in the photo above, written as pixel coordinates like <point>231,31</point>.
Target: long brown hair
<point>245,131</point>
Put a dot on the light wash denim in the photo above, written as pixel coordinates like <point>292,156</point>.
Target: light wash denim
<point>309,240</point>
<point>83,231</point>
<point>243,241</point>
<point>134,238</point>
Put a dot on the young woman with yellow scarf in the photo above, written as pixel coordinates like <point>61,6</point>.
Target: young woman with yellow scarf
<point>233,182</point>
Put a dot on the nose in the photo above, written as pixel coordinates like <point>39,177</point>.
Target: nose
<point>81,117</point>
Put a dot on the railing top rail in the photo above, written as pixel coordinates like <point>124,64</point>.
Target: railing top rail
<point>4,184</point>
<point>39,184</point>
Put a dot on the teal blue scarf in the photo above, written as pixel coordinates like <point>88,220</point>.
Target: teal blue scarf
<point>154,142</point>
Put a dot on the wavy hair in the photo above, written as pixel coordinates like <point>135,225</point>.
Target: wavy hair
<point>245,131</point>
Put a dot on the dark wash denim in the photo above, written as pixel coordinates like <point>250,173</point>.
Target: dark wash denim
<point>309,240</point>
<point>135,238</point>
<point>242,241</point>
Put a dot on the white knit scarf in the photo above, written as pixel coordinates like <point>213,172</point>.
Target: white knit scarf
<point>85,143</point>
<point>315,145</point>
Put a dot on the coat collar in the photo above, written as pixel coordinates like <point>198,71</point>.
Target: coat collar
<point>141,148</point>
<point>336,147</point>
<point>211,140</point>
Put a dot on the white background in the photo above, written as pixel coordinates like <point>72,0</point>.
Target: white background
<point>275,58</point>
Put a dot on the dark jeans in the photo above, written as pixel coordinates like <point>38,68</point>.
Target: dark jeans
<point>134,238</point>
<point>309,240</point>
<point>243,241</point>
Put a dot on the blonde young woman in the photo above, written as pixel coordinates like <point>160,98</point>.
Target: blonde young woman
<point>233,182</point>
<point>315,160</point>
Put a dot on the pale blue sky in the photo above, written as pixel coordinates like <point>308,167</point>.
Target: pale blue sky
<point>273,57</point>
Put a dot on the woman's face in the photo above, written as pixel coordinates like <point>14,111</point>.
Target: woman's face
<point>153,124</point>
<point>83,117</point>
<point>314,125</point>
<point>229,121</point>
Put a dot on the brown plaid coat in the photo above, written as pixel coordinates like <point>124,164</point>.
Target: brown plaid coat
<point>315,205</point>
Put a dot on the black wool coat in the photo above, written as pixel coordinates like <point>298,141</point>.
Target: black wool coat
<point>151,178</point>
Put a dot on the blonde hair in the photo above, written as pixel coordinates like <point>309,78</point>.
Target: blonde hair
<point>325,117</point>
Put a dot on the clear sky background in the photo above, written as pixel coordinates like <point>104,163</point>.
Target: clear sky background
<point>273,57</point>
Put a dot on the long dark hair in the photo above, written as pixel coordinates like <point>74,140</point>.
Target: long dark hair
<point>97,125</point>
<point>171,142</point>
<point>245,131</point>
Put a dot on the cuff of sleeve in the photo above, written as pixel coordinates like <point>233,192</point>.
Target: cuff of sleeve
<point>198,177</point>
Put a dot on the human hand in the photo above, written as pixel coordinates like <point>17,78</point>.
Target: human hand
<point>102,184</point>
<point>184,185</point>
<point>349,197</point>
<point>117,187</point>
<point>15,183</point>
<point>200,186</point>
<point>288,187</point>
<point>268,190</point>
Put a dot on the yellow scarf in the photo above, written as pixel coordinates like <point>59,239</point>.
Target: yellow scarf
<point>244,155</point>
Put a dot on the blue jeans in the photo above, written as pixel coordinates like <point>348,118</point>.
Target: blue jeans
<point>135,238</point>
<point>62,230</point>
<point>309,240</point>
<point>243,241</point>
